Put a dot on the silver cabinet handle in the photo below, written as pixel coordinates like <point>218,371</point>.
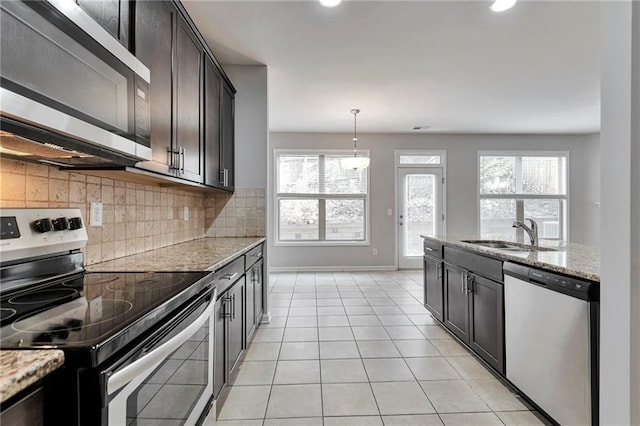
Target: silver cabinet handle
<point>438,271</point>
<point>226,177</point>
<point>470,288</point>
<point>227,308</point>
<point>183,152</point>
<point>173,164</point>
<point>233,307</point>
<point>229,276</point>
<point>462,282</point>
<point>428,248</point>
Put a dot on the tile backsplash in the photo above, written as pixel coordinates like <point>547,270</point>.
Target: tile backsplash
<point>136,217</point>
<point>241,214</point>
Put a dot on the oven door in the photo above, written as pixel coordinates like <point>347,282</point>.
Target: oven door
<point>168,377</point>
<point>63,73</point>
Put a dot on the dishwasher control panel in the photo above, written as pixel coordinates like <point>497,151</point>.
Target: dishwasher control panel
<point>581,289</point>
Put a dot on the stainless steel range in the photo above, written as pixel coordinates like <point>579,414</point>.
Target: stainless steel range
<point>138,346</point>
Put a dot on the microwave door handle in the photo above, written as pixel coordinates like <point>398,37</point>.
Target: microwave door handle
<point>157,355</point>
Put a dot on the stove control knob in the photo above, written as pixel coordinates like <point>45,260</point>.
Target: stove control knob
<point>75,223</point>
<point>60,224</point>
<point>43,225</point>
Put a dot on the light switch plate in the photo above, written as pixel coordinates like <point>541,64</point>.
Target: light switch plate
<point>95,217</point>
<point>389,212</point>
<point>185,213</point>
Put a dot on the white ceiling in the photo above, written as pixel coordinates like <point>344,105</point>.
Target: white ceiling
<point>453,65</point>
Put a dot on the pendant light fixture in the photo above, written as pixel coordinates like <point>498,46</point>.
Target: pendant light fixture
<point>330,3</point>
<point>355,162</point>
<point>502,5</point>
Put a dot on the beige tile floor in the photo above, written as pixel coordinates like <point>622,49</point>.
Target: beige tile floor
<point>360,349</point>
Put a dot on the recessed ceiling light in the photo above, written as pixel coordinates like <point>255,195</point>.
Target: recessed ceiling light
<point>421,127</point>
<point>502,5</point>
<point>330,3</point>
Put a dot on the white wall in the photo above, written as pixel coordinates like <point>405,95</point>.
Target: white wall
<point>251,124</point>
<point>462,151</point>
<point>587,213</point>
<point>620,274</point>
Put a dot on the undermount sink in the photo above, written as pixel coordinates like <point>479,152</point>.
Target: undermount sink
<point>505,245</point>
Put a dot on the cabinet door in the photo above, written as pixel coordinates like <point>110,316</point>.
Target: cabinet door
<point>433,295</point>
<point>220,359</point>
<point>228,135</point>
<point>487,320</point>
<point>250,312</point>
<point>212,117</point>
<point>236,329</point>
<point>154,36</point>
<point>258,269</point>
<point>112,15</point>
<point>456,311</point>
<point>188,66</point>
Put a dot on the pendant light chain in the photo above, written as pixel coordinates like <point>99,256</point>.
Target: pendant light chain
<point>355,131</point>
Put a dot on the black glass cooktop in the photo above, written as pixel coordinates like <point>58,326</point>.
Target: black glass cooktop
<point>90,310</point>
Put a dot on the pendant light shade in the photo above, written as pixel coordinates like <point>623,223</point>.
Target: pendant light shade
<point>355,162</point>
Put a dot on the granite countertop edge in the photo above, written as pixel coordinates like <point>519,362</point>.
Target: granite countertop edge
<point>22,368</point>
<point>585,260</point>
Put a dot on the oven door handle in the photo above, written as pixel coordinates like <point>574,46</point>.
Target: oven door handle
<point>157,355</point>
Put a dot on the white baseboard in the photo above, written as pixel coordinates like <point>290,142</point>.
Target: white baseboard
<point>332,268</point>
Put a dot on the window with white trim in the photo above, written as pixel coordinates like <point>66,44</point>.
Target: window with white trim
<point>523,185</point>
<point>317,201</point>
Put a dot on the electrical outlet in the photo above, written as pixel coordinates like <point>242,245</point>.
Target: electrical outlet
<point>96,214</point>
<point>375,251</point>
<point>389,212</point>
<point>185,213</point>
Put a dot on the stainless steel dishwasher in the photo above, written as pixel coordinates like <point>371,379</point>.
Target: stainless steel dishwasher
<point>551,342</point>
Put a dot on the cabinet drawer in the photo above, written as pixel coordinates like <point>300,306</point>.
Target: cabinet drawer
<point>432,248</point>
<point>229,274</point>
<point>254,255</point>
<point>481,265</point>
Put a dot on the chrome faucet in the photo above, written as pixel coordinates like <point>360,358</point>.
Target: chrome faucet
<point>532,231</point>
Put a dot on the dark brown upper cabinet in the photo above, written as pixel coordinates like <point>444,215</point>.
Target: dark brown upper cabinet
<point>154,39</point>
<point>213,175</point>
<point>187,88</point>
<point>192,101</point>
<point>112,15</point>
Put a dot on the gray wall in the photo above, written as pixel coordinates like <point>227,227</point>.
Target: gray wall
<point>462,151</point>
<point>251,127</point>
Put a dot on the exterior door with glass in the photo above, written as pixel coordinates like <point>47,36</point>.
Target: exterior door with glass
<point>420,200</point>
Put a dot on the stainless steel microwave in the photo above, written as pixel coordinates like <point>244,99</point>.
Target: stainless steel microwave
<point>71,94</point>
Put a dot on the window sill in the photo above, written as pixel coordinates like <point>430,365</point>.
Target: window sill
<point>321,243</point>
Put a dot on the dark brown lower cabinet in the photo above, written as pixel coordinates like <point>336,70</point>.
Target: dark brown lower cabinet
<point>486,335</point>
<point>433,288</point>
<point>474,313</point>
<point>229,333</point>
<point>27,411</point>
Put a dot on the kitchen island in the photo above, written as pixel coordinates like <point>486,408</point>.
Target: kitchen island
<point>529,312</point>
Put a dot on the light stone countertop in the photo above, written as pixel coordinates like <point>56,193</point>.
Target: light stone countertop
<point>204,254</point>
<point>20,369</point>
<point>568,258</point>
